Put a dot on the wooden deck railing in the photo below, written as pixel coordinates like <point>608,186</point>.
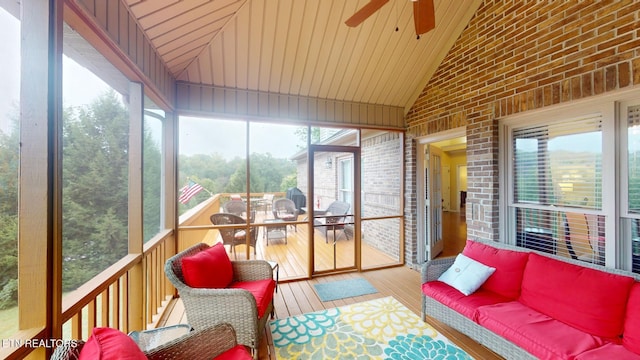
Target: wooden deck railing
<point>132,294</point>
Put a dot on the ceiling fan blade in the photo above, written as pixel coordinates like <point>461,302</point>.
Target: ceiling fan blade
<point>424,16</point>
<point>366,11</point>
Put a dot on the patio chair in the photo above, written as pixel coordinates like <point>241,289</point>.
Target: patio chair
<point>333,218</point>
<point>170,342</point>
<point>234,236</point>
<point>581,244</point>
<point>238,207</point>
<point>285,210</point>
<point>265,203</point>
<point>245,303</point>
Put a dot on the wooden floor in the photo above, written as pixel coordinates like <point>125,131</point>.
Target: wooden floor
<point>293,255</point>
<point>296,297</point>
<point>299,297</point>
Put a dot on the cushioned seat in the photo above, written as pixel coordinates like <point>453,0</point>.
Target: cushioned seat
<point>262,291</point>
<point>466,305</point>
<point>539,334</point>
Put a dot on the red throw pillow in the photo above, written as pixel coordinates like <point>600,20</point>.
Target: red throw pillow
<point>509,265</point>
<point>107,344</point>
<point>210,269</point>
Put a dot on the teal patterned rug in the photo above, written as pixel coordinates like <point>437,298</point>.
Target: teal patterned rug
<point>377,329</point>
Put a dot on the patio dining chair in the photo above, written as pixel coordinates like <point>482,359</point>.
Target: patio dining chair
<point>234,236</point>
<point>238,207</point>
<point>285,210</point>
<point>333,218</point>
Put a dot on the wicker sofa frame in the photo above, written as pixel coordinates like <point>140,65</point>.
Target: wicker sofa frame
<point>432,269</point>
<point>209,307</point>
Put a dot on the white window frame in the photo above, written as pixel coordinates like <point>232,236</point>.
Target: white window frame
<point>606,106</point>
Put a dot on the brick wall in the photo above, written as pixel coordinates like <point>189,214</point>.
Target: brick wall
<point>516,56</point>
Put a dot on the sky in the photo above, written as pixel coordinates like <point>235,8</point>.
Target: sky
<point>228,138</point>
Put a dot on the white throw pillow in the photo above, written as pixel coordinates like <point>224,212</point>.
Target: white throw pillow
<point>466,274</point>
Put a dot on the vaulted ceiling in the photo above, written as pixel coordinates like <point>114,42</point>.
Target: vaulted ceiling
<point>302,47</point>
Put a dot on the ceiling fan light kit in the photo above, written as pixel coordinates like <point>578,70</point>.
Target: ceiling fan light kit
<point>423,15</point>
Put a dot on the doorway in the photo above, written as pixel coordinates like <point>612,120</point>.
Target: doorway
<point>442,186</point>
<point>333,187</point>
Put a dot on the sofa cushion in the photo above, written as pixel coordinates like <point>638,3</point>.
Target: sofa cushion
<point>631,335</point>
<point>465,305</point>
<point>210,268</point>
<point>590,300</point>
<point>535,332</point>
<point>466,274</point>
<point>262,291</point>
<point>608,351</point>
<point>509,265</point>
<point>239,352</point>
<point>107,343</point>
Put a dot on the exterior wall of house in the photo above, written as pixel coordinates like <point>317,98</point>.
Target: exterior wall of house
<point>381,189</point>
<point>516,56</point>
<point>381,186</point>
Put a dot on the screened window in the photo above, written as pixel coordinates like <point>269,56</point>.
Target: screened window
<point>9,159</point>
<point>95,169</point>
<point>557,187</point>
<point>152,170</point>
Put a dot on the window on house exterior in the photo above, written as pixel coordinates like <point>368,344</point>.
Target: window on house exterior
<point>572,179</point>
<point>630,204</point>
<point>556,189</point>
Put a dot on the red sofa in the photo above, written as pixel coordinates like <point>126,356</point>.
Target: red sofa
<point>541,306</point>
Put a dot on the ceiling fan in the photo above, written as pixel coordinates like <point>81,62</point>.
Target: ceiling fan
<point>423,14</point>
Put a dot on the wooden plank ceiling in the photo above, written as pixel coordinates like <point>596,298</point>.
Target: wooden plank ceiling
<point>302,47</point>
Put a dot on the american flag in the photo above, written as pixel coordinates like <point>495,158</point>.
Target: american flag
<point>188,191</point>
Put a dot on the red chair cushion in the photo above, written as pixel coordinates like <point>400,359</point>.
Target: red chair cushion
<point>262,291</point>
<point>537,333</point>
<point>466,305</point>
<point>631,337</point>
<point>210,268</point>
<point>239,352</point>
<point>106,344</point>
<point>608,351</point>
<point>509,265</point>
<point>590,300</point>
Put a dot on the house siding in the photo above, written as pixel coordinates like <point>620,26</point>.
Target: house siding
<point>516,56</point>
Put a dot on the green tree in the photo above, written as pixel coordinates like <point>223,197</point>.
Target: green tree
<point>9,159</point>
<point>95,188</point>
<point>152,185</point>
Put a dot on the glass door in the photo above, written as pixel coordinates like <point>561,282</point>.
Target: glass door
<point>332,211</point>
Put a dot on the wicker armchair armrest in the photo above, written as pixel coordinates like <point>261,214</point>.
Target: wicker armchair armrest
<point>224,301</point>
<point>204,344</point>
<point>432,269</point>
<point>251,270</point>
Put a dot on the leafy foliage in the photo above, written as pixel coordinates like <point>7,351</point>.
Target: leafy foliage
<point>9,156</point>
<point>95,189</point>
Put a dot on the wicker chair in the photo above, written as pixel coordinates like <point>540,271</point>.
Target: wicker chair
<point>238,208</point>
<point>197,345</point>
<point>208,307</point>
<point>285,210</point>
<point>333,218</point>
<point>234,236</point>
